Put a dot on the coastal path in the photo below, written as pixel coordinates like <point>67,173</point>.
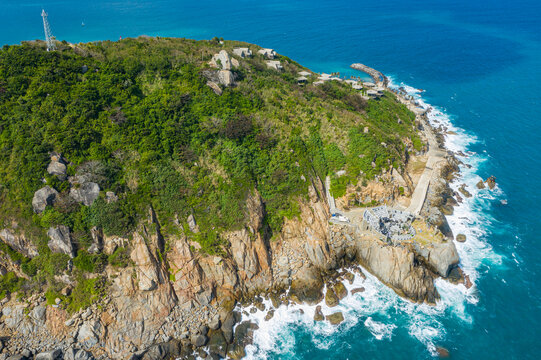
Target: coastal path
<point>435,155</point>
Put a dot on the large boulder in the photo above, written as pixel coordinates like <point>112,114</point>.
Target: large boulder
<point>222,60</point>
<point>43,197</point>
<point>88,333</point>
<point>331,300</point>
<point>86,193</point>
<point>217,344</point>
<point>49,355</point>
<point>340,290</point>
<point>440,257</point>
<point>60,240</point>
<point>335,318</point>
<point>57,168</point>
<point>198,340</point>
<point>491,182</point>
<point>226,77</point>
<point>307,286</point>
<point>164,351</point>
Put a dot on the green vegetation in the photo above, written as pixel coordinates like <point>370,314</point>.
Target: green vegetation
<point>137,117</point>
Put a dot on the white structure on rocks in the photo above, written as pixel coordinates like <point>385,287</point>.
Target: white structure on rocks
<point>393,224</point>
<point>243,52</point>
<point>275,65</point>
<point>268,53</point>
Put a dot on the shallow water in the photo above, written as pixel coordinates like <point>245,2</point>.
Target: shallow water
<point>479,64</point>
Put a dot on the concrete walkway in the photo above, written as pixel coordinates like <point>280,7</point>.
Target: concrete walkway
<point>435,155</point>
<point>330,198</point>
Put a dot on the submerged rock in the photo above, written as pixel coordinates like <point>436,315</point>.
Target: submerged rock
<point>480,184</point>
<point>331,300</point>
<point>335,318</point>
<point>340,290</point>
<point>461,238</point>
<point>318,315</point>
<point>442,352</point>
<point>357,290</point>
<point>491,182</point>
<point>463,190</point>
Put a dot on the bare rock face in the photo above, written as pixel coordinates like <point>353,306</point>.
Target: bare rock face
<point>43,197</point>
<point>441,257</point>
<point>19,242</point>
<point>60,240</point>
<point>145,264</point>
<point>192,224</point>
<point>86,193</point>
<point>111,243</point>
<point>221,60</point>
<point>226,77</point>
<point>97,241</point>
<point>397,267</point>
<point>57,168</point>
<point>89,334</point>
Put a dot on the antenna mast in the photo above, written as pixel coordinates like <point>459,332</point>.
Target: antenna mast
<point>49,38</point>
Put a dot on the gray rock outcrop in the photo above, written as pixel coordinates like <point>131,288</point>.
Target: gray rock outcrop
<point>43,197</point>
<point>221,60</point>
<point>226,77</point>
<point>49,355</point>
<point>86,193</point>
<point>19,242</point>
<point>97,241</point>
<point>60,240</point>
<point>440,257</point>
<point>57,168</point>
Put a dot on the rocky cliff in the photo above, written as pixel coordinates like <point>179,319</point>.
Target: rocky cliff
<point>185,298</point>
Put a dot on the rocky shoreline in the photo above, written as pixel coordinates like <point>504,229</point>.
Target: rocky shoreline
<point>149,314</point>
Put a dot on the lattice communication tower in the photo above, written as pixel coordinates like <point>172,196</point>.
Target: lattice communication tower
<point>49,38</point>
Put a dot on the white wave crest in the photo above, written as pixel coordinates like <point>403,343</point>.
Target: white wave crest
<point>378,308</point>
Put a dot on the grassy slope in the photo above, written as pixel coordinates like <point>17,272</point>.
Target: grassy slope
<point>158,135</point>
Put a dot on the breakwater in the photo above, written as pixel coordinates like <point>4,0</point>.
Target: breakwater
<point>377,76</point>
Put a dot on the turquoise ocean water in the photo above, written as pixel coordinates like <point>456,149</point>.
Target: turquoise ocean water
<point>479,64</point>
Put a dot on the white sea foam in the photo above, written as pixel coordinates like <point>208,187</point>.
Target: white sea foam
<point>378,308</point>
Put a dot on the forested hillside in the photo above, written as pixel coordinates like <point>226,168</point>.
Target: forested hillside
<point>137,118</point>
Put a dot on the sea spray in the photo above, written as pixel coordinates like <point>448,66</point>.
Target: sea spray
<point>380,311</point>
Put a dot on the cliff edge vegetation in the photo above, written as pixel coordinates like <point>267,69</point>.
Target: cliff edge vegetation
<point>107,130</point>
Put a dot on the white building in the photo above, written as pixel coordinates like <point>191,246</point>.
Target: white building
<point>243,52</point>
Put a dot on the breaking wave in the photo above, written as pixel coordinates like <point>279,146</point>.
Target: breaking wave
<point>377,313</point>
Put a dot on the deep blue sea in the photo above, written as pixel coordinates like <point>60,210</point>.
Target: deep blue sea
<point>479,64</point>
